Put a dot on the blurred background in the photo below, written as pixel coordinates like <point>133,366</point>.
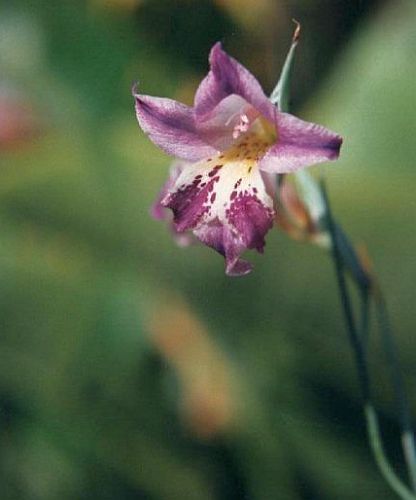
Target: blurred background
<point>134,369</point>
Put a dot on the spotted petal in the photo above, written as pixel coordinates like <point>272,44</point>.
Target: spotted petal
<point>299,144</point>
<point>160,212</point>
<point>171,126</point>
<point>227,207</point>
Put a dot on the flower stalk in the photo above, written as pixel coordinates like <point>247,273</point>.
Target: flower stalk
<point>376,444</point>
<point>354,335</point>
<point>345,258</point>
<point>358,342</point>
<point>390,350</point>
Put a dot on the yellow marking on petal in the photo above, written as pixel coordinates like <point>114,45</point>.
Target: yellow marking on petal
<point>252,146</point>
<point>241,159</point>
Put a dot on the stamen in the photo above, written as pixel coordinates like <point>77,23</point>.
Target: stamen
<point>242,126</point>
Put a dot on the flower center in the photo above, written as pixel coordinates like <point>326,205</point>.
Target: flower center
<point>256,139</point>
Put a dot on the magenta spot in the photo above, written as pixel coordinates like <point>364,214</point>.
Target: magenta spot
<point>237,183</point>
<point>214,170</point>
<point>254,190</point>
<point>190,204</point>
<point>198,177</point>
<point>213,196</point>
<point>233,195</point>
<point>251,219</point>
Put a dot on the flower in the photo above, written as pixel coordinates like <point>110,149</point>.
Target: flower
<point>231,145</point>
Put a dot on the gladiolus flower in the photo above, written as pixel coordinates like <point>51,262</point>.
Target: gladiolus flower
<point>232,143</point>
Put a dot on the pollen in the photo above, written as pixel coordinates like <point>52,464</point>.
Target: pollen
<point>251,147</point>
<point>242,158</point>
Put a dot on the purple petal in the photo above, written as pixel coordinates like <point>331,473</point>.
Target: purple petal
<point>160,212</point>
<point>171,126</point>
<point>299,144</point>
<point>219,237</point>
<point>157,210</point>
<point>228,77</point>
<point>218,127</point>
<point>227,207</point>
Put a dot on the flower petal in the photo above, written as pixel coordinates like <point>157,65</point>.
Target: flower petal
<point>160,212</point>
<point>299,144</point>
<point>227,207</point>
<point>218,128</point>
<point>219,237</point>
<point>227,77</point>
<point>171,126</point>
<point>157,210</point>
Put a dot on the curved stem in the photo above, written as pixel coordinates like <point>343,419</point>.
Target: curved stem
<point>390,349</point>
<point>364,320</point>
<point>357,341</point>
<point>345,257</point>
<point>374,438</point>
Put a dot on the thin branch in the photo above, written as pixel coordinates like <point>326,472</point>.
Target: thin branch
<point>356,341</point>
<point>374,438</point>
<point>358,351</point>
<point>390,349</point>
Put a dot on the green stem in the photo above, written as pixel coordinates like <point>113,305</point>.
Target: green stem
<point>355,341</point>
<point>365,319</point>
<point>408,437</point>
<point>345,257</point>
<point>374,438</point>
<point>361,362</point>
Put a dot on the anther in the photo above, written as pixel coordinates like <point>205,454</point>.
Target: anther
<point>242,126</point>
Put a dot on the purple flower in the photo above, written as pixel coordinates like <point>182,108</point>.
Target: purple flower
<point>230,146</point>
